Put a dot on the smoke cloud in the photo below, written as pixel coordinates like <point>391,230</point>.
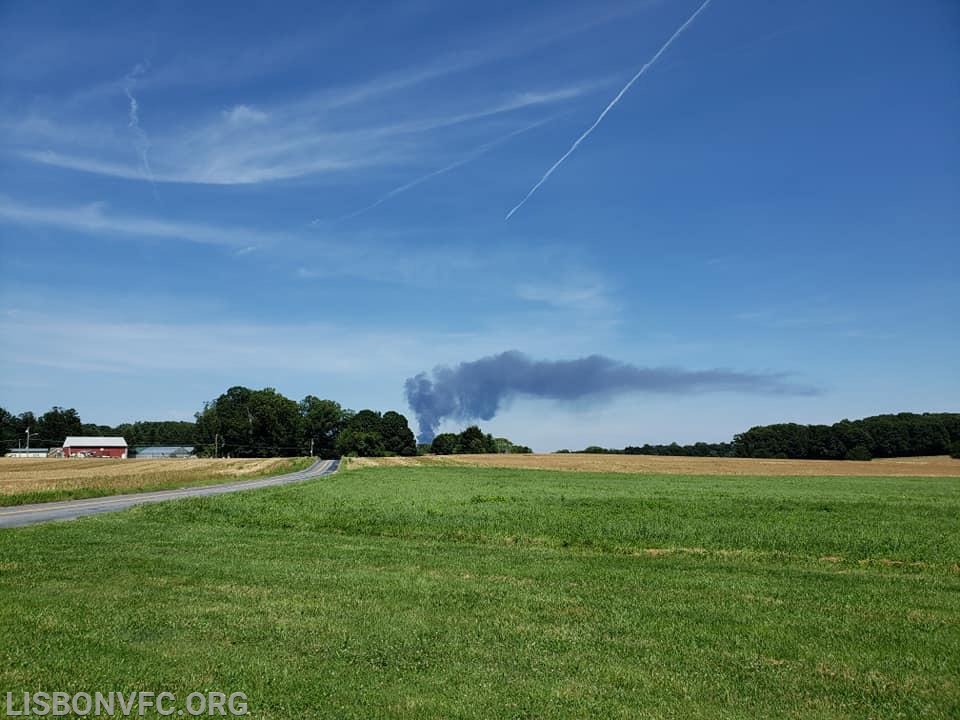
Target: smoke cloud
<point>477,390</point>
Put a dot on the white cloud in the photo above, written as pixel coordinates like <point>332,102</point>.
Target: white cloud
<point>574,296</point>
<point>245,115</point>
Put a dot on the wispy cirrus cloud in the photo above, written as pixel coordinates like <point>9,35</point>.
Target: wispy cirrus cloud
<point>95,218</point>
<point>110,346</point>
<point>370,257</point>
<point>483,46</point>
<point>142,139</point>
<point>115,342</point>
<point>592,297</point>
<point>246,144</point>
<point>330,130</point>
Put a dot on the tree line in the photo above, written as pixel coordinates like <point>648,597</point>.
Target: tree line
<point>700,449</point>
<point>243,422</point>
<point>51,428</point>
<point>239,423</point>
<point>46,430</point>
<point>473,441</point>
<point>263,423</point>
<point>878,436</point>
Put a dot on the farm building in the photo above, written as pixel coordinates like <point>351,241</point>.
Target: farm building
<point>113,447</point>
<point>28,453</point>
<point>156,451</point>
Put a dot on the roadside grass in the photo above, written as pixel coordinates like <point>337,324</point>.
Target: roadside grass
<point>430,592</point>
<point>119,477</point>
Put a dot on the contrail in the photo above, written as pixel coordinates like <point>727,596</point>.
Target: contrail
<point>482,150</point>
<point>143,144</point>
<point>609,107</point>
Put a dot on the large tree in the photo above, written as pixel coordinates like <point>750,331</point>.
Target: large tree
<point>159,432</point>
<point>251,423</point>
<point>9,428</point>
<point>370,434</point>
<point>354,442</point>
<point>26,421</point>
<point>321,422</point>
<point>362,435</point>
<point>56,424</point>
<point>473,441</point>
<point>444,444</point>
<point>398,438</point>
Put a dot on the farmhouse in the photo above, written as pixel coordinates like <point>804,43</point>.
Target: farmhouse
<point>113,447</point>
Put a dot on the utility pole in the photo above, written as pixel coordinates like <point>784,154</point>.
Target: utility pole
<point>216,445</point>
<point>311,447</point>
<point>28,437</point>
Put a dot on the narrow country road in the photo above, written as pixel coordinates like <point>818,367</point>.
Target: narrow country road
<point>19,515</point>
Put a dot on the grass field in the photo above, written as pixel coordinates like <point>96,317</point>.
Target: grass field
<point>431,591</point>
<point>43,480</point>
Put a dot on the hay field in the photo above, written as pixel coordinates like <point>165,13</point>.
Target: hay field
<point>33,480</point>
<point>938,466</point>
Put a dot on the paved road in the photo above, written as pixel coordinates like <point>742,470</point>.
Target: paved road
<point>72,509</point>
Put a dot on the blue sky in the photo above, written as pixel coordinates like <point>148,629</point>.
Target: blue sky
<point>312,197</point>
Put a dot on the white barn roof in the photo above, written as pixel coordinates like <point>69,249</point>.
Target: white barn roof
<point>81,441</point>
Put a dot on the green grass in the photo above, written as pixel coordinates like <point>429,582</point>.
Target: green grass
<point>477,593</point>
<point>148,484</point>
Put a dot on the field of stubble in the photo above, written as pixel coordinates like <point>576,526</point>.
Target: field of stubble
<point>40,480</point>
<point>937,466</point>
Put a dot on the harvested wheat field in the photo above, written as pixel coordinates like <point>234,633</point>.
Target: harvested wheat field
<point>938,466</point>
<point>60,478</point>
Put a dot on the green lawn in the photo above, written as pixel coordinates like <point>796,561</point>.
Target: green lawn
<point>453,592</point>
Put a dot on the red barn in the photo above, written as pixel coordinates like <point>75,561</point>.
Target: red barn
<point>112,447</point>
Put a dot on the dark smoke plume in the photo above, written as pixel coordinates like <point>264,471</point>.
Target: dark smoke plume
<point>476,390</point>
